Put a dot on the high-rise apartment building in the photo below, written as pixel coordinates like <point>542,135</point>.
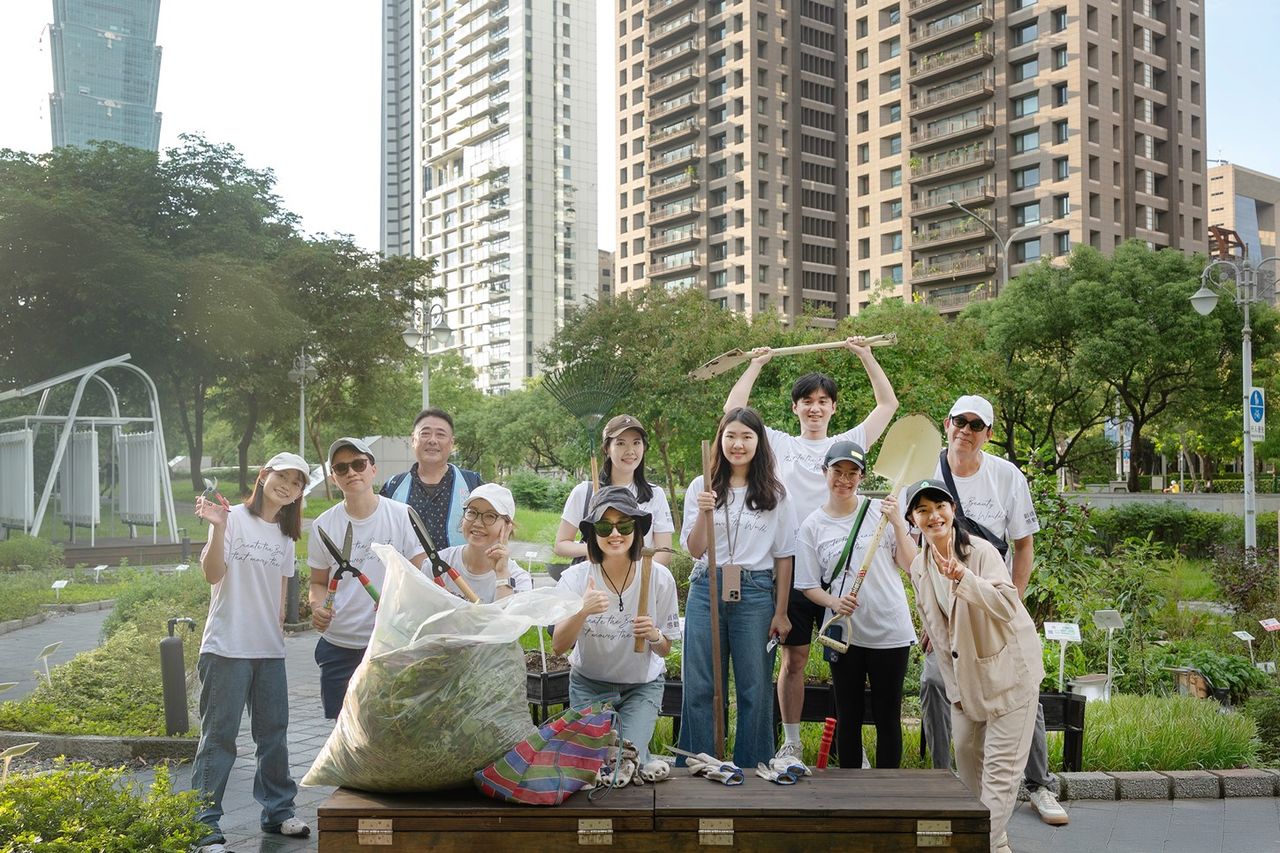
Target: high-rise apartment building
<point>1056,121</point>
<point>106,71</point>
<point>731,152</point>
<point>1245,201</point>
<point>495,101</point>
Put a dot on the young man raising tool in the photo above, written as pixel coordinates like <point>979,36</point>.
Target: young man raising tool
<point>800,468</point>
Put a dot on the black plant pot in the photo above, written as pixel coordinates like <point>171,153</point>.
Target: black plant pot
<point>546,689</point>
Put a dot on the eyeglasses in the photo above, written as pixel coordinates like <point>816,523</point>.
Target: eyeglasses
<point>625,527</point>
<point>844,476</point>
<point>489,518</point>
<point>357,465</point>
<point>974,424</point>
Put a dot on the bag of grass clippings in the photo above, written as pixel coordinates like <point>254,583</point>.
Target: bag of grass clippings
<point>441,690</point>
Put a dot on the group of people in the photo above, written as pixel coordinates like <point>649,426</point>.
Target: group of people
<point>788,528</point>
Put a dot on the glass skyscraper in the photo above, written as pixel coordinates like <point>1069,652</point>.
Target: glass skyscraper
<point>106,69</point>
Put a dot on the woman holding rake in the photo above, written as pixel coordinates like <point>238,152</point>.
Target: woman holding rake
<point>987,648</point>
<point>830,547</point>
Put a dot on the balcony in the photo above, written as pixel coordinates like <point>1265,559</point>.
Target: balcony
<point>948,232</point>
<point>680,130</point>
<point>949,300</point>
<point>673,213</point>
<point>659,8</point>
<point>936,269</point>
<point>681,264</point>
<point>946,131</point>
<point>675,80</point>
<point>957,161</point>
<point>493,187</point>
<point>677,237</point>
<point>672,107</point>
<point>662,189</point>
<point>976,191</point>
<point>670,56</point>
<point>952,60</point>
<point>666,31</point>
<point>953,95</point>
<point>682,157</point>
<point>956,25</point>
<point>920,7</point>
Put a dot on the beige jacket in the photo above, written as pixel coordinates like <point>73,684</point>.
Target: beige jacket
<point>987,647</point>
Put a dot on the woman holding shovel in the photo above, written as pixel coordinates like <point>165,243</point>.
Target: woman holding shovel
<point>625,442</point>
<point>753,525</point>
<point>873,616</point>
<point>987,648</point>
<point>628,619</point>
<point>488,517</point>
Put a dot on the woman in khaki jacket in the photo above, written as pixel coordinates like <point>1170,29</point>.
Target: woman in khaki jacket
<point>988,650</point>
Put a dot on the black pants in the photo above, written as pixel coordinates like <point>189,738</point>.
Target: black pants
<point>886,669</point>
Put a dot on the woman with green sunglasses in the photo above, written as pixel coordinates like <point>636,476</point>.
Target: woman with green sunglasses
<point>604,666</point>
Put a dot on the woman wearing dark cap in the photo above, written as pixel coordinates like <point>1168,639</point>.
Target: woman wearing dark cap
<point>987,647</point>
<point>604,666</point>
<point>625,442</point>
<point>877,624</point>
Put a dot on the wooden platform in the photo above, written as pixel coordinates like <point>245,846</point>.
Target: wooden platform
<point>855,810</point>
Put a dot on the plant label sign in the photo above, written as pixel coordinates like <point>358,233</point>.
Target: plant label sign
<point>1063,631</point>
<point>1267,666</point>
<point>1111,619</point>
<point>1243,636</point>
<point>1270,624</point>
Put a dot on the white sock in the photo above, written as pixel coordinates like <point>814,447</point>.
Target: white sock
<point>791,732</point>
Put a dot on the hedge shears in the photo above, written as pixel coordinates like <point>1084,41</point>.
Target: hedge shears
<point>344,567</point>
<point>439,568</point>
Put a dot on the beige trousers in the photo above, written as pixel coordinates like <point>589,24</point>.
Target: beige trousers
<point>990,758</point>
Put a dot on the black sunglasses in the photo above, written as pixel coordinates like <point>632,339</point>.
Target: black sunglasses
<point>974,424</point>
<point>357,465</point>
<point>625,527</point>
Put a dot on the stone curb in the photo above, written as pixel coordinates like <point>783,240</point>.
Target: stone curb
<point>1246,783</point>
<point>298,627</point>
<point>102,748</point>
<point>83,607</point>
<point>17,624</point>
<point>1141,785</point>
<point>1087,786</point>
<point>1194,784</point>
<point>1170,784</point>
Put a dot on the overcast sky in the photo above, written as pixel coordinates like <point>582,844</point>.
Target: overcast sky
<point>294,84</point>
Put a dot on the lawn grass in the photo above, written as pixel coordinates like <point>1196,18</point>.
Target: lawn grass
<point>22,593</point>
<point>1189,580</point>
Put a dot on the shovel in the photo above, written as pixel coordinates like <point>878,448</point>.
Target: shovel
<point>725,362</point>
<point>909,453</point>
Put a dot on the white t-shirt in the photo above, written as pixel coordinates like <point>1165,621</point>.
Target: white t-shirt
<point>998,497</point>
<point>798,464</point>
<point>244,611</point>
<point>484,585</point>
<point>656,506</point>
<point>882,620</point>
<point>759,536</point>
<point>352,607</point>
<point>605,649</point>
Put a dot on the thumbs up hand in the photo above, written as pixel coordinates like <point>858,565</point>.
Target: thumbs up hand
<point>594,600</point>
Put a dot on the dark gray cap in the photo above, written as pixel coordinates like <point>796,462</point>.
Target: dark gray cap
<point>933,489</point>
<point>621,499</point>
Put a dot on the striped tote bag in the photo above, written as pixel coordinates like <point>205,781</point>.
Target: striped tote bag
<point>561,757</point>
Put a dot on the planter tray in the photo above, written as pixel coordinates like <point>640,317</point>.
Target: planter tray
<point>834,809</point>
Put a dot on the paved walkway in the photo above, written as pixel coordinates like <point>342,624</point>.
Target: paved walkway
<point>78,632</point>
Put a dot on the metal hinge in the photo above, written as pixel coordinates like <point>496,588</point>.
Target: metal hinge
<point>933,833</point>
<point>595,831</point>
<point>715,831</point>
<point>374,832</point>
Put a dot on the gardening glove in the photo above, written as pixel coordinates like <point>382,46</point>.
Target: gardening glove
<point>792,766</point>
<point>764,771</point>
<point>620,768</point>
<point>655,770</point>
<point>724,772</point>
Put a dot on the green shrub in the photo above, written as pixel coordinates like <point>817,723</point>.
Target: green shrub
<point>1065,554</point>
<point>1247,580</point>
<point>184,593</point>
<point>23,593</point>
<point>77,807</point>
<point>22,550</point>
<point>1166,733</point>
<point>1171,525</point>
<point>1233,672</point>
<point>1264,709</point>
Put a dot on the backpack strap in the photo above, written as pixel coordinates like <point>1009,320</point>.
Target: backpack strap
<point>843,562</point>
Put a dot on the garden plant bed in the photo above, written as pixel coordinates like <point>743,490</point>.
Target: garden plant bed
<point>546,689</point>
<point>103,750</point>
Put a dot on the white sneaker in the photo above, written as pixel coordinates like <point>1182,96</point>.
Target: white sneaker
<point>1051,812</point>
<point>791,752</point>
<point>295,828</point>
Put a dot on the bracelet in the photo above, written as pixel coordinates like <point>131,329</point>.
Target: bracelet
<point>654,642</point>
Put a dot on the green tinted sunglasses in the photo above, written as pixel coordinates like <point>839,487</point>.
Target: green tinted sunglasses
<point>604,528</point>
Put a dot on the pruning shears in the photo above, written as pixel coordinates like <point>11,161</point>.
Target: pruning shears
<point>439,568</point>
<point>211,486</point>
<point>344,567</point>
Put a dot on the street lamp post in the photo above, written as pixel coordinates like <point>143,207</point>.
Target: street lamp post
<point>303,371</point>
<point>1245,293</point>
<point>1002,244</point>
<point>427,325</point>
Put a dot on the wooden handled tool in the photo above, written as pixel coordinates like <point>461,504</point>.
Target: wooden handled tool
<point>725,362</point>
<point>717,695</point>
<point>642,606</point>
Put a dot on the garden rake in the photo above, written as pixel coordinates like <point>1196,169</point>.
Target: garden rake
<point>589,391</point>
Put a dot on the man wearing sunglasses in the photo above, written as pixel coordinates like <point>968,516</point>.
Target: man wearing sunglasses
<point>346,627</point>
<point>435,487</point>
<point>993,492</point>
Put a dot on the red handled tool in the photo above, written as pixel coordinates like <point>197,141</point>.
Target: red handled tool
<point>343,559</point>
<point>824,748</point>
<point>439,568</point>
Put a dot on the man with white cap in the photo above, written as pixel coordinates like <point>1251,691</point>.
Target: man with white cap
<point>346,627</point>
<point>994,493</point>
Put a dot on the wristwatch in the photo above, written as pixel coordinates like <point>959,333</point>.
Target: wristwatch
<point>509,583</point>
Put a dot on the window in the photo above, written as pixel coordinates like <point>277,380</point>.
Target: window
<point>864,153</point>
<point>864,248</point>
<point>892,81</point>
<point>1026,70</point>
<point>1026,141</point>
<point>864,279</point>
<point>894,176</point>
<point>1026,105</point>
<point>1060,132</point>
<point>893,242</point>
<point>1024,34</point>
<point>1059,20</point>
<point>1026,178</point>
<point>1027,250</point>
<point>894,144</point>
<point>1026,214</point>
<point>894,273</point>
<point>861,27</point>
<point>1061,206</point>
<point>862,60</point>
<point>895,112</point>
<point>1059,94</point>
<point>1062,243</point>
<point>1023,4</point>
<point>893,47</point>
<point>1061,169</point>
<point>1060,57</point>
<point>892,210</point>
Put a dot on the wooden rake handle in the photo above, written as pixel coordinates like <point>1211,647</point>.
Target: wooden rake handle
<point>642,607</point>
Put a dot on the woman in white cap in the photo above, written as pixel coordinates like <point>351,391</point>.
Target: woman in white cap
<point>987,648</point>
<point>248,561</point>
<point>831,547</point>
<point>488,517</point>
<point>625,442</point>
<point>604,665</point>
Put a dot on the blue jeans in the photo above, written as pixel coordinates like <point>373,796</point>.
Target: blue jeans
<point>744,633</point>
<point>637,706</point>
<point>227,686</point>
<point>337,665</point>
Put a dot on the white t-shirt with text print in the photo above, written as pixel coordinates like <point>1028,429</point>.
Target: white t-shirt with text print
<point>751,538</point>
<point>484,585</point>
<point>798,463</point>
<point>244,610</point>
<point>998,497</point>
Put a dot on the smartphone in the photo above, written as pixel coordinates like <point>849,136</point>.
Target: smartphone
<point>835,632</point>
<point>731,582</point>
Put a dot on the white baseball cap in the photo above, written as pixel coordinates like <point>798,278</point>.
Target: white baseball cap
<point>499,497</point>
<point>979,406</point>
<point>288,462</point>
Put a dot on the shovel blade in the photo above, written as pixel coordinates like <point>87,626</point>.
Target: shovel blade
<point>909,451</point>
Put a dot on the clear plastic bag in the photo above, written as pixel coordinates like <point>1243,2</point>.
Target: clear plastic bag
<point>441,690</point>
